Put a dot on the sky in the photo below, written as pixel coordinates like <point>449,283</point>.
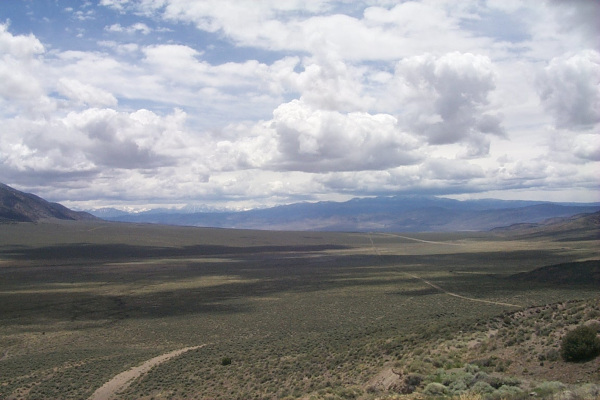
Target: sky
<point>237,104</point>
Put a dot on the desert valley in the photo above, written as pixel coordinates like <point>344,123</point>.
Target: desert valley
<point>102,310</point>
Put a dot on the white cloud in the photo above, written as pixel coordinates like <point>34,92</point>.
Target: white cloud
<point>94,141</point>
<point>296,99</point>
<point>85,94</point>
<point>21,88</point>
<point>587,147</point>
<point>19,47</point>
<point>381,33</point>
<point>579,16</point>
<point>116,4</point>
<point>445,99</point>
<point>137,27</point>
<point>318,140</point>
<point>329,83</point>
<point>570,89</point>
<point>120,48</point>
<point>450,170</point>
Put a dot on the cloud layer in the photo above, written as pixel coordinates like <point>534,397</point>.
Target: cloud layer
<point>258,103</point>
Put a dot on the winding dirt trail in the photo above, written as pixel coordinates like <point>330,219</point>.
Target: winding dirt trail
<point>433,285</point>
<point>419,240</point>
<point>120,382</point>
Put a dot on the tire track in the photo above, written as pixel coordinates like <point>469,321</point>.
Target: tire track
<point>120,382</point>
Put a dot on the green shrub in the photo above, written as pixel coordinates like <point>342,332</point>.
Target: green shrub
<point>482,387</point>
<point>580,344</point>
<point>508,392</point>
<point>226,361</point>
<point>594,324</point>
<point>435,389</point>
<point>545,389</point>
<point>588,391</point>
<point>457,387</point>
<point>411,383</point>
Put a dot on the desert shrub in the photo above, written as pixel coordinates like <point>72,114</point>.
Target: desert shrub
<point>435,389</point>
<point>226,361</point>
<point>411,383</point>
<point>545,389</point>
<point>344,393</point>
<point>482,387</point>
<point>418,367</point>
<point>456,381</point>
<point>594,324</point>
<point>580,344</point>
<point>490,362</point>
<point>588,391</point>
<point>469,396</point>
<point>507,392</point>
<point>457,387</point>
<point>552,355</point>
<point>592,314</point>
<point>471,368</point>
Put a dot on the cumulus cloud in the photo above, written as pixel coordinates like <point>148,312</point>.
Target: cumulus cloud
<point>94,141</point>
<point>587,147</point>
<point>20,47</point>
<point>579,15</point>
<point>329,83</point>
<point>20,84</point>
<point>320,140</point>
<point>569,88</point>
<point>445,99</point>
<point>304,99</point>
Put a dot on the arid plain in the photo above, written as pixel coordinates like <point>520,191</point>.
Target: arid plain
<point>270,315</point>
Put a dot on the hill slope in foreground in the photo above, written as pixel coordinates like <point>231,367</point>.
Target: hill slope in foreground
<point>17,206</point>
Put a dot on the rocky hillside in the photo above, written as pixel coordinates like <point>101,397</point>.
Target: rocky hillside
<point>514,356</point>
<point>17,206</point>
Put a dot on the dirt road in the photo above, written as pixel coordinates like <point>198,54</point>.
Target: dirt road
<point>433,285</point>
<point>420,240</point>
<point>120,382</point>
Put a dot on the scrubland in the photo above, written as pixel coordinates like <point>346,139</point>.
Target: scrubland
<point>298,314</point>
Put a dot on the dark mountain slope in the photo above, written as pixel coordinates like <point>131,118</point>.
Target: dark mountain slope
<point>576,227</point>
<point>17,206</point>
<point>582,273</point>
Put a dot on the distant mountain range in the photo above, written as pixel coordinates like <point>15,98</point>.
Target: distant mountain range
<point>386,214</point>
<point>17,206</point>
